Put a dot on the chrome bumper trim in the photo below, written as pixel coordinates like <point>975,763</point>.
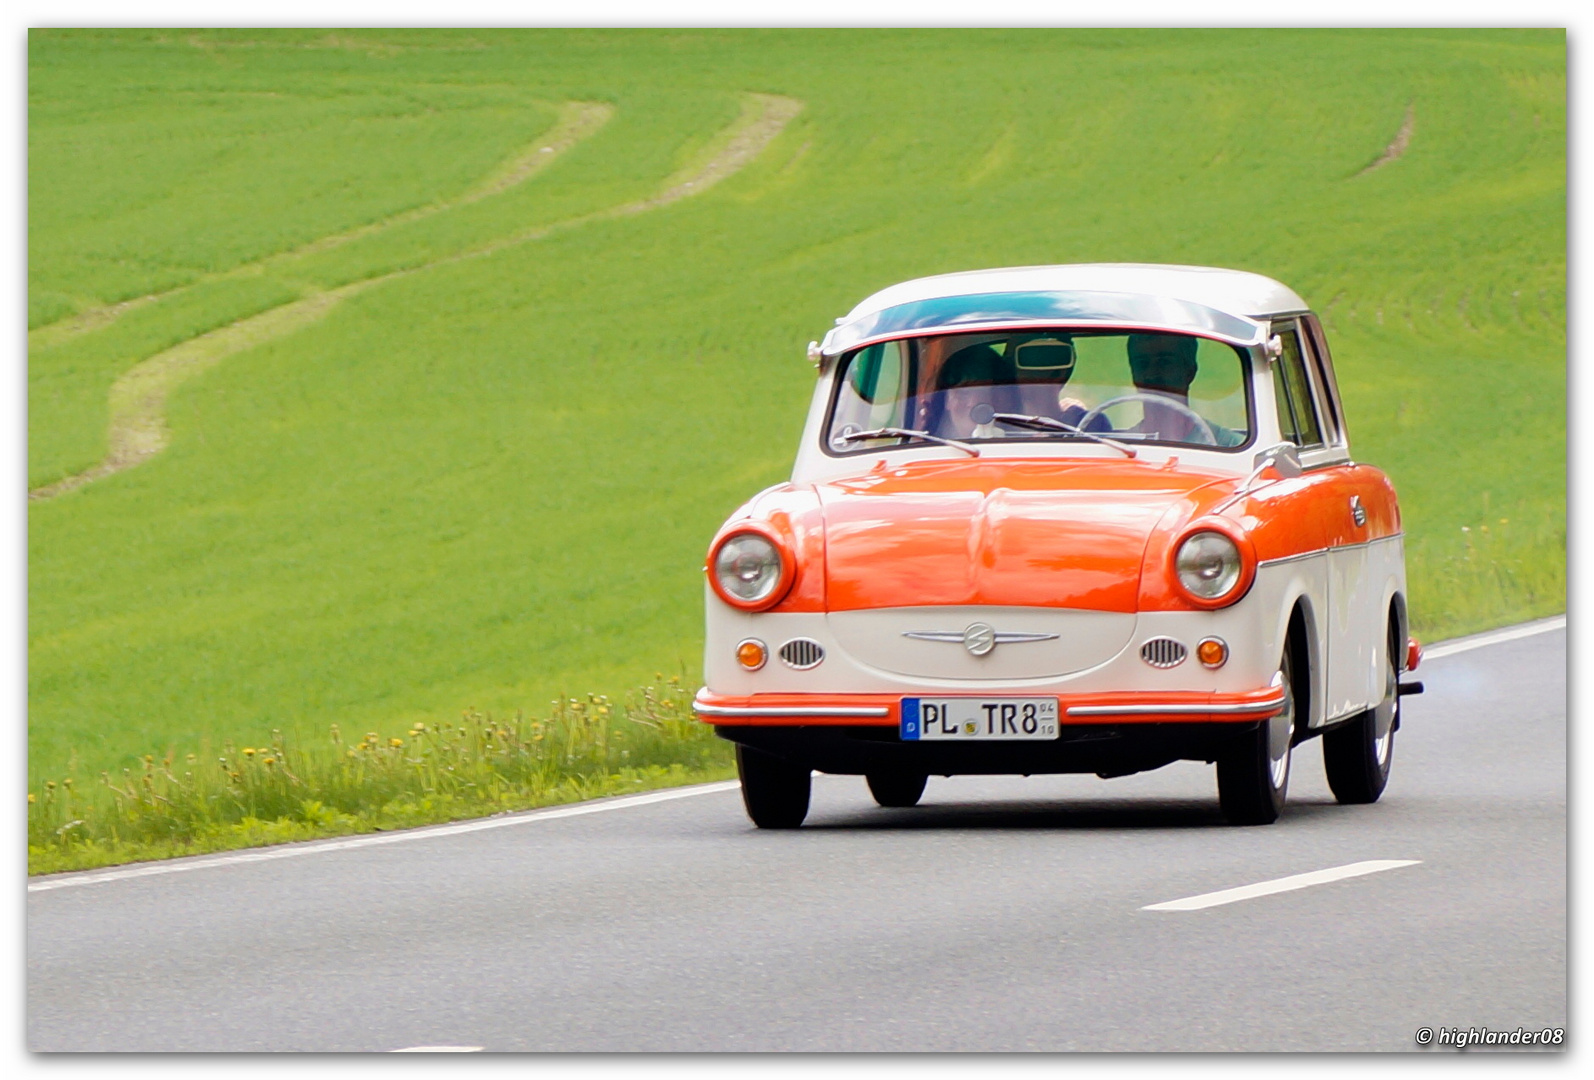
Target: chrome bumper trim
<point>775,710</point>
<point>1149,710</point>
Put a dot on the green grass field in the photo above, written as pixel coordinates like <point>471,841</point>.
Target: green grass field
<point>487,481</point>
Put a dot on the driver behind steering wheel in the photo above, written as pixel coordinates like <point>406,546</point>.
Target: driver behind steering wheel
<point>1164,366</point>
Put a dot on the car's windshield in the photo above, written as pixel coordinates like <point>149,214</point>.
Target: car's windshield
<point>1132,387</point>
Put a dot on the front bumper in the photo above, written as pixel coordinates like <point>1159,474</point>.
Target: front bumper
<point>885,710</point>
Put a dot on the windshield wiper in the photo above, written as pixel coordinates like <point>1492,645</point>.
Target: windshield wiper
<point>1046,423</point>
<point>909,433</point>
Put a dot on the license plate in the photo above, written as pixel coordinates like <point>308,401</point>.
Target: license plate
<point>979,718</point>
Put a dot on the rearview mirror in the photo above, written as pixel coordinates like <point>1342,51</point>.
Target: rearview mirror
<point>1048,354</point>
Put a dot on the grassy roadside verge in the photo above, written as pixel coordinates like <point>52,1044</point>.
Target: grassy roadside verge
<point>195,802</point>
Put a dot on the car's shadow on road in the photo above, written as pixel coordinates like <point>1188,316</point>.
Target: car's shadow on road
<point>1072,815</point>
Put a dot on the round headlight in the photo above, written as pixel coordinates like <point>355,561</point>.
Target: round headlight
<point>1208,565</point>
<point>747,567</point>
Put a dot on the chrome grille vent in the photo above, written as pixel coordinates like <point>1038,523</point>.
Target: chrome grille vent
<point>1163,652</point>
<point>802,653</point>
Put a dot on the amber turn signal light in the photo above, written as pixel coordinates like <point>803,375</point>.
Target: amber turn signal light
<point>1212,652</point>
<point>752,654</point>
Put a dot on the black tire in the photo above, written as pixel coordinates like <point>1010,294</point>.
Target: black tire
<point>897,789</point>
<point>1357,755</point>
<point>1254,772</point>
<point>774,790</point>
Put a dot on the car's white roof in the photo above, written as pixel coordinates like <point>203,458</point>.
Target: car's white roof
<point>1235,292</point>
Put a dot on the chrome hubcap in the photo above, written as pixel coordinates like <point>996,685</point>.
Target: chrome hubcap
<point>1279,729</point>
<point>1384,718</point>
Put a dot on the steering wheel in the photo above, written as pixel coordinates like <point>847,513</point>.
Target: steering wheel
<point>1177,406</point>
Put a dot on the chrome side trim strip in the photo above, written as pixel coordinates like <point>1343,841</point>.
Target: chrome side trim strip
<point>775,710</point>
<point>1148,710</point>
<point>1325,550</point>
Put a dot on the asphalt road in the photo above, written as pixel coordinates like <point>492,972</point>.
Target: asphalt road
<point>1002,914</point>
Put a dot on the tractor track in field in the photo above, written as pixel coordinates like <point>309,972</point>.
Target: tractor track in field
<point>138,429</point>
<point>1397,146</point>
<point>577,120</point>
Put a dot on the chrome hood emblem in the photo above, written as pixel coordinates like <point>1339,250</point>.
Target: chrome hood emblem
<point>978,638</point>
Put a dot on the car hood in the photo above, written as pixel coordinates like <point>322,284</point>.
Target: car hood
<point>1066,534</point>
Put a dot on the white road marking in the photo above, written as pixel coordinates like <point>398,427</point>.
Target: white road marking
<point>289,851</point>
<point>1283,884</point>
<point>1494,637</point>
<point>438,1050</point>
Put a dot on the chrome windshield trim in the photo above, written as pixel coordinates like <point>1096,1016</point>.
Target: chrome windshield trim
<point>1148,710</point>
<point>988,311</point>
<point>800,711</point>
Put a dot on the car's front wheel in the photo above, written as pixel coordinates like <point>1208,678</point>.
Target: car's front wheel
<point>1357,756</point>
<point>1254,771</point>
<point>774,790</point>
<point>897,789</point>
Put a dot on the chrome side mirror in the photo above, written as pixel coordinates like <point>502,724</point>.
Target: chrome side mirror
<point>1283,457</point>
<point>815,357</point>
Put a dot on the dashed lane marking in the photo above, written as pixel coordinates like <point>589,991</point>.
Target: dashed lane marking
<point>1283,884</point>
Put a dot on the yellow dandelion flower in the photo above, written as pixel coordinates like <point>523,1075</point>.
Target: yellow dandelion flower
<point>420,727</point>
<point>1505,521</point>
<point>269,761</point>
<point>49,785</point>
<point>31,798</point>
<point>353,754</point>
<point>249,751</point>
<point>395,742</point>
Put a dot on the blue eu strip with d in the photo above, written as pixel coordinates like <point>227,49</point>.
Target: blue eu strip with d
<point>910,718</point>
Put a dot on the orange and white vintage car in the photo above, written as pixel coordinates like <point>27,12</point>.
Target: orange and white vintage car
<point>1064,519</point>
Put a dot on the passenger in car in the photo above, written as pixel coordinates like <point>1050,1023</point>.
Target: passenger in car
<point>974,384</point>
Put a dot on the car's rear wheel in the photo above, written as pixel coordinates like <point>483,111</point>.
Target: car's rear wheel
<point>774,790</point>
<point>1254,771</point>
<point>897,789</point>
<point>1358,755</point>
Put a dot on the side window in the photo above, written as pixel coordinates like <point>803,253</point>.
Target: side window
<point>1328,387</point>
<point>1293,392</point>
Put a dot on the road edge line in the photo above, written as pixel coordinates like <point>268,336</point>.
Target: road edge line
<point>1493,637</point>
<point>428,832</point>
